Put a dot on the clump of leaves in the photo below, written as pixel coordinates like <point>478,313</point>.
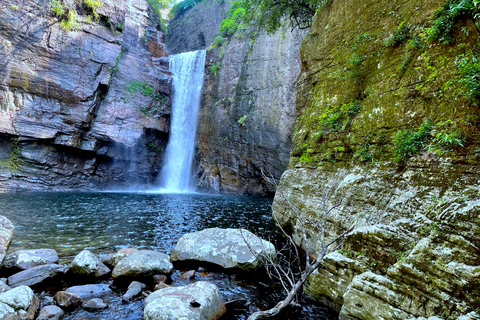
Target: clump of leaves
<point>339,116</point>
<point>400,36</point>
<point>215,68</point>
<point>447,18</point>
<point>242,120</point>
<point>71,22</point>
<point>408,143</point>
<point>57,8</point>
<point>469,75</point>
<point>181,7</point>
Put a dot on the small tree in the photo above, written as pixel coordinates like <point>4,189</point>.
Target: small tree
<point>290,273</point>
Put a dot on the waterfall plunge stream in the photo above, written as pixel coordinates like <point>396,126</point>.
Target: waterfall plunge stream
<point>188,70</point>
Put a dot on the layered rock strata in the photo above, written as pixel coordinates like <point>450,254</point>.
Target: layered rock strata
<point>372,78</point>
<point>83,103</point>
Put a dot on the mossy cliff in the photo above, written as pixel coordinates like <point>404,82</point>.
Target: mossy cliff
<point>384,119</point>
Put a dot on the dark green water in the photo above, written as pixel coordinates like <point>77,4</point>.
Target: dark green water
<point>105,222</point>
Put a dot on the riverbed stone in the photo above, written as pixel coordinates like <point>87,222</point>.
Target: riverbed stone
<point>37,276</point>
<point>144,263</point>
<point>224,247</point>
<point>90,291</point>
<point>94,304</point>
<point>22,300</point>
<point>112,259</point>
<point>26,259</point>
<point>87,265</point>
<point>197,301</point>
<point>68,300</point>
<point>4,287</point>
<point>6,235</point>
<point>134,289</point>
<point>50,313</point>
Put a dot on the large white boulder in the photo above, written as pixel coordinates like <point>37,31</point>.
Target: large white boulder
<point>143,263</point>
<point>229,248</point>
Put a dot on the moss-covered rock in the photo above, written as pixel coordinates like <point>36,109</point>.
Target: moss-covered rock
<point>414,208</point>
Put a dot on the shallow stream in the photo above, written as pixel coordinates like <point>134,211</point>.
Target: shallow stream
<point>106,222</point>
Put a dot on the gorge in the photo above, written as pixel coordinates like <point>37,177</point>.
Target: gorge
<point>375,103</point>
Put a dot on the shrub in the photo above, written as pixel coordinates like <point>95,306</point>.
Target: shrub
<point>407,143</point>
<point>469,75</point>
<point>215,68</point>
<point>182,7</point>
<point>57,8</point>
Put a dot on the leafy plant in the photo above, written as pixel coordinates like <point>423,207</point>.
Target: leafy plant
<point>57,8</point>
<point>469,75</point>
<point>14,162</point>
<point>400,36</point>
<point>93,5</point>
<point>447,18</point>
<point>339,116</point>
<point>71,22</point>
<point>242,120</point>
<point>407,143</point>
<point>181,7</point>
<point>215,68</point>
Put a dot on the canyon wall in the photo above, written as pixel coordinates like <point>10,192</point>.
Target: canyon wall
<point>248,105</point>
<point>385,125</point>
<point>85,95</point>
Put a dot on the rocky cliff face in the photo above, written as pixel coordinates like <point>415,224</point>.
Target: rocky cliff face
<point>248,105</point>
<point>377,101</point>
<point>85,104</point>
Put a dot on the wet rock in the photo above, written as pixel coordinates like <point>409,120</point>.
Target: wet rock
<point>197,301</point>
<point>50,313</point>
<point>224,247</point>
<point>160,278</point>
<point>90,291</point>
<point>37,276</point>
<point>134,289</point>
<point>21,300</point>
<point>144,263</point>
<point>48,301</point>
<point>6,236</point>
<point>68,300</point>
<point>112,259</point>
<point>188,275</point>
<point>87,265</point>
<point>3,286</point>
<point>94,304</point>
<point>26,259</point>
<point>161,285</point>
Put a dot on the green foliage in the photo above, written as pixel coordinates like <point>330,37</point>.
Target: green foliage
<point>14,162</point>
<point>215,68</point>
<point>155,147</point>
<point>448,17</point>
<point>71,22</point>
<point>469,75</point>
<point>363,153</point>
<point>14,7</point>
<point>242,120</point>
<point>57,8</point>
<point>447,139</point>
<point>339,116</point>
<point>307,156</point>
<point>400,36</point>
<point>273,14</point>
<point>93,5</point>
<point>407,143</point>
<point>182,7</point>
<point>145,89</point>
<point>148,112</point>
<point>156,6</point>
<point>233,19</point>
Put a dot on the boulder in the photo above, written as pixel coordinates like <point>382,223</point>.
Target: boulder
<point>22,300</point>
<point>144,263</point>
<point>68,300</point>
<point>50,313</point>
<point>224,247</point>
<point>6,236</point>
<point>90,291</point>
<point>37,276</point>
<point>94,304</point>
<point>197,301</point>
<point>4,287</point>
<point>26,259</point>
<point>87,265</point>
<point>112,259</point>
<point>134,289</point>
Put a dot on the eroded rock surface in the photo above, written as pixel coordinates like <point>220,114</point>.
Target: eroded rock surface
<point>81,108</point>
<point>413,253</point>
<point>26,259</point>
<point>228,248</point>
<point>143,263</point>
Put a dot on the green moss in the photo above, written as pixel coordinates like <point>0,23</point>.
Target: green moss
<point>400,36</point>
<point>215,68</point>
<point>13,163</point>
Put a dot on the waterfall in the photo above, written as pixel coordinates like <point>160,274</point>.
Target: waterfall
<point>188,69</point>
